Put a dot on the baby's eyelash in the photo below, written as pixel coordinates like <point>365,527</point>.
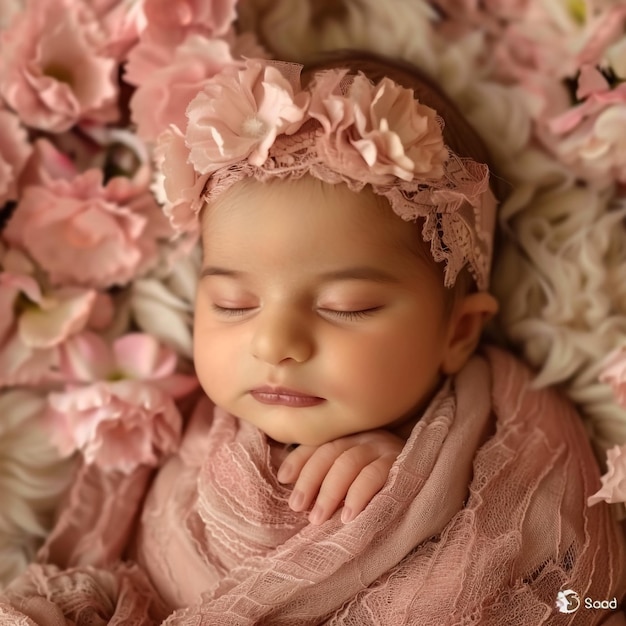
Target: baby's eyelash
<point>352,315</point>
<point>228,312</point>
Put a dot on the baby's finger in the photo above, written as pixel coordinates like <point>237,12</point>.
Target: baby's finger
<point>335,486</point>
<point>291,467</point>
<point>365,486</point>
<point>313,473</point>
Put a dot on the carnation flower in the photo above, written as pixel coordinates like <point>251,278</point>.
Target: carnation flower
<point>119,410</point>
<point>86,233</point>
<point>164,91</point>
<point>181,186</point>
<point>52,72</point>
<point>239,114</point>
<point>116,425</point>
<point>14,152</point>
<point>170,22</point>
<point>34,323</point>
<point>591,137</point>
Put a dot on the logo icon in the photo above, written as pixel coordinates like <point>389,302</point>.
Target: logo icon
<point>567,601</point>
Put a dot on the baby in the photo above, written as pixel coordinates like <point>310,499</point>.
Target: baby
<point>347,239</point>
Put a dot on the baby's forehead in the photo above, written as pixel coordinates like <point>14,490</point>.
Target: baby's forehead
<point>249,195</point>
<point>314,213</point>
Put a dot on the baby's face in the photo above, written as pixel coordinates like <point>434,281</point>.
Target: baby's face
<point>314,319</point>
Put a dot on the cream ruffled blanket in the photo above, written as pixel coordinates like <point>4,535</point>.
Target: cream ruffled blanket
<point>464,531</point>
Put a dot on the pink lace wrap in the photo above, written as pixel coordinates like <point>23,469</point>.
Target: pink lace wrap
<point>258,122</point>
<point>482,521</point>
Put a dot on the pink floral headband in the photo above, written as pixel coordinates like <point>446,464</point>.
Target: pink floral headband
<point>255,120</point>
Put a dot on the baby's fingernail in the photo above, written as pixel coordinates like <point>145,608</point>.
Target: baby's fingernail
<point>317,515</point>
<point>296,501</point>
<point>284,473</point>
<point>346,515</point>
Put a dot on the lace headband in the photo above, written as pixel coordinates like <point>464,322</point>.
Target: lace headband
<point>255,120</point>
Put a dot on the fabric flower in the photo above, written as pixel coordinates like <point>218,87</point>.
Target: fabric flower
<point>86,233</point>
<point>614,481</point>
<point>52,72</point>
<point>239,114</point>
<point>14,152</point>
<point>119,410</point>
<point>393,134</point>
<point>413,145</point>
<point>163,94</point>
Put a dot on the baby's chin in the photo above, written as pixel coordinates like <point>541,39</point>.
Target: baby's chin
<point>300,439</point>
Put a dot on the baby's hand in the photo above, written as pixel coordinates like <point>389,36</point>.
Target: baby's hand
<point>350,469</point>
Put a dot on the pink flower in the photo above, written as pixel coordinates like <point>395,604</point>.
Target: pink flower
<point>181,184</point>
<point>239,114</point>
<point>124,415</point>
<point>170,22</point>
<point>87,358</point>
<point>14,152</point>
<point>614,481</point>
<point>123,21</point>
<point>614,373</point>
<point>393,134</point>
<point>42,320</point>
<point>52,72</point>
<point>116,425</point>
<point>86,233</point>
<point>591,138</point>
<point>34,323</point>
<point>164,93</point>
<point>47,163</point>
<point>412,146</point>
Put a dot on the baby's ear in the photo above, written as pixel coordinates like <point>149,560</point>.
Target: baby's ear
<point>468,318</point>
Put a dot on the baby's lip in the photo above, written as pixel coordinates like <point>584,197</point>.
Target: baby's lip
<point>268,394</point>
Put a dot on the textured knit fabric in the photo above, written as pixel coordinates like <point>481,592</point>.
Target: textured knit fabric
<point>483,520</point>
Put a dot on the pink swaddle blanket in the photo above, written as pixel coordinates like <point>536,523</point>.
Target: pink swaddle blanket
<point>464,532</point>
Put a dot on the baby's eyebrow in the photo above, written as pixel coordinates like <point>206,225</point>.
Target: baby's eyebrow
<point>212,270</point>
<point>374,274</point>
